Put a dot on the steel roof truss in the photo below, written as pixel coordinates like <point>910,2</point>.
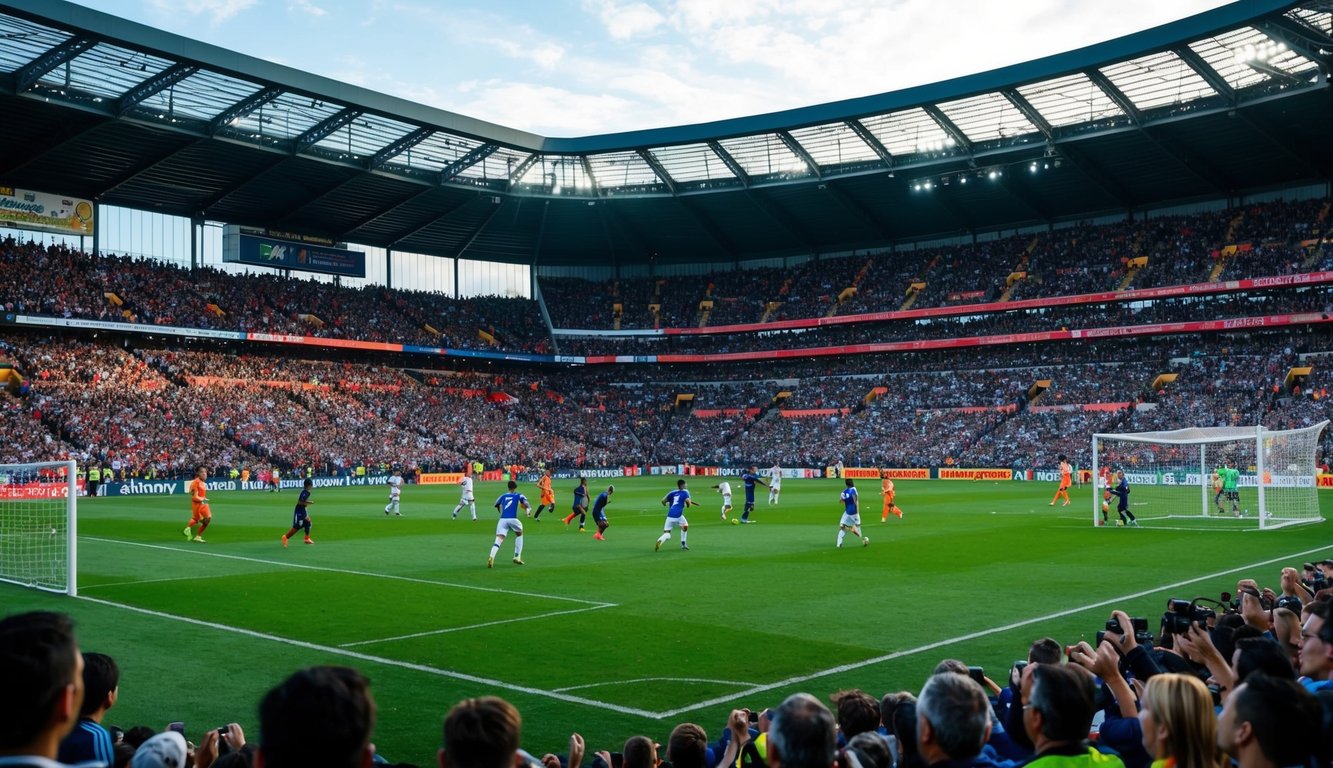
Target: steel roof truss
<point>950,128</point>
<point>519,171</point>
<point>587,170</point>
<point>141,167</point>
<point>155,84</point>
<point>1030,112</point>
<point>243,107</point>
<point>430,220</point>
<point>795,146</point>
<point>870,139</point>
<point>27,76</point>
<point>1210,76</point>
<point>323,129</point>
<point>476,232</point>
<point>399,146</point>
<point>1115,94</point>
<point>658,169</point>
<point>274,161</point>
<point>1309,42</point>
<point>730,162</point>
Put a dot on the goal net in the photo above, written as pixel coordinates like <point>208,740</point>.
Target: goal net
<point>1227,477</point>
<point>38,525</point>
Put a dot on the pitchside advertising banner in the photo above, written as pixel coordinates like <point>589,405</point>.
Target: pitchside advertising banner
<point>242,248</point>
<point>1183,477</point>
<point>45,212</point>
<point>177,487</point>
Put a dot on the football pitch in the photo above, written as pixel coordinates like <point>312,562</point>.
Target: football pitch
<point>609,638</point>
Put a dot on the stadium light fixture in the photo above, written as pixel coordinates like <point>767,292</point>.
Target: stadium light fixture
<point>1259,54</point>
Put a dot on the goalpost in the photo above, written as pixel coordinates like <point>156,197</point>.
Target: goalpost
<point>1176,475</point>
<point>39,525</point>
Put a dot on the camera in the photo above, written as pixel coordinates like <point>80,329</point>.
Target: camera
<point>1138,625</point>
<point>754,716</point>
<point>223,746</point>
<point>1180,614</point>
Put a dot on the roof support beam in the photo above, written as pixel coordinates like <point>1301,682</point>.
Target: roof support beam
<point>155,84</point>
<point>592,179</point>
<point>242,108</point>
<point>401,145</point>
<point>385,211</point>
<point>321,130</point>
<point>22,155</point>
<point>710,227</point>
<point>27,75</point>
<point>1265,128</point>
<point>871,141</point>
<point>1302,38</point>
<point>659,169</point>
<point>315,197</point>
<point>142,167</point>
<point>476,232</point>
<point>795,146</point>
<point>273,162</point>
<point>1016,186</point>
<point>1030,112</point>
<point>950,128</point>
<point>1201,169</point>
<point>521,170</point>
<point>431,220</point>
<point>1209,75</point>
<point>1115,94</point>
<point>730,162</point>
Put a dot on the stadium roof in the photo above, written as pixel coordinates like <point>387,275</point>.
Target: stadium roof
<point>1230,100</point>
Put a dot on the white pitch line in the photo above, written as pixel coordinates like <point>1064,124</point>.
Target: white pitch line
<point>970,636</point>
<point>365,657</point>
<point>132,583</point>
<point>497,622</point>
<point>346,572</point>
<point>655,680</point>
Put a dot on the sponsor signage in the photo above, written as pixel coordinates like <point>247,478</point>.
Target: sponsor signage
<point>177,487</point>
<point>951,473</point>
<point>895,473</point>
<point>438,478</point>
<point>242,248</point>
<point>45,212</point>
<point>56,490</point>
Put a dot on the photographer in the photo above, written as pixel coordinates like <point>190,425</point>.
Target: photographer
<point>1121,729</point>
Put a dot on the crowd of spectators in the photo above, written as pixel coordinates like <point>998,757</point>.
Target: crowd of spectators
<point>1250,680</point>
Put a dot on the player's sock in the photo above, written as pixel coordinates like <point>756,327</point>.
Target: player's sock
<point>473,507</point>
<point>683,535</point>
<point>842,534</point>
<point>518,547</point>
<point>662,540</point>
<point>284,541</point>
<point>568,518</point>
<point>495,550</point>
<point>189,532</point>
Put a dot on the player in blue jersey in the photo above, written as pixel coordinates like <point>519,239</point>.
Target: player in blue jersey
<point>300,517</point>
<point>750,477</point>
<point>509,504</point>
<point>599,512</point>
<point>580,504</point>
<point>851,515</point>
<point>1121,492</point>
<point>676,502</point>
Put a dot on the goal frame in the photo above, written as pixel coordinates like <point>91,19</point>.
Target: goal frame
<point>71,529</point>
<point>1212,435</point>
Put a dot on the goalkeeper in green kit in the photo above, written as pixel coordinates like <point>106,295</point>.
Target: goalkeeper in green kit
<point>1230,476</point>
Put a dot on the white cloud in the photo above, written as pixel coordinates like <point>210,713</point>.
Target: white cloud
<point>218,11</point>
<point>625,21</point>
<point>307,7</point>
<point>558,111</point>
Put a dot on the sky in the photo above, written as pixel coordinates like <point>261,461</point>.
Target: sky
<point>585,67</point>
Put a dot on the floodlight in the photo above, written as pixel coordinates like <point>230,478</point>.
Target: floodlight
<point>994,174</point>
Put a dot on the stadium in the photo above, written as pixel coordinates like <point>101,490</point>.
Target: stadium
<point>1119,254</point>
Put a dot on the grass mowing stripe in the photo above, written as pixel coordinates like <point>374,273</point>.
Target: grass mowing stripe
<point>482,625</point>
<point>333,650</point>
<point>348,572</point>
<point>981,633</point>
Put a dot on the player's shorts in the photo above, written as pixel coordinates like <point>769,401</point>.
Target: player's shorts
<point>579,509</point>
<point>200,513</point>
<point>506,525</point>
<point>850,520</point>
<point>726,499</point>
<point>465,499</point>
<point>299,518</point>
<point>548,498</point>
<point>394,494</point>
<point>599,516</point>
<point>1233,495</point>
<point>675,522</point>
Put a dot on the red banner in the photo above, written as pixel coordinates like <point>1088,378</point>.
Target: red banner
<point>36,490</point>
<point>976,474</point>
<point>800,413</point>
<point>897,473</point>
<point>437,478</point>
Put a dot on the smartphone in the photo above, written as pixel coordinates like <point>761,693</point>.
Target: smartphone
<point>754,716</point>
<point>978,674</point>
<point>224,747</point>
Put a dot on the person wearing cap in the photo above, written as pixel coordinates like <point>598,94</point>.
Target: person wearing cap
<point>42,671</point>
<point>165,750</point>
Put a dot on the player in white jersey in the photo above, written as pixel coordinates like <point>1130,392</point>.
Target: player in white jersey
<point>774,483</point>
<point>395,483</point>
<point>724,488</point>
<point>466,499</point>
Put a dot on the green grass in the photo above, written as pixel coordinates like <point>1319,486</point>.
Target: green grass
<point>609,638</point>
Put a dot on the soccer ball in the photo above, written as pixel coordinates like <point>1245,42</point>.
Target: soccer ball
<point>735,521</point>
<point>1119,523</point>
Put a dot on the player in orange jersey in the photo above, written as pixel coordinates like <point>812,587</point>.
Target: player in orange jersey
<point>547,495</point>
<point>886,490</point>
<point>1066,477</point>
<point>199,512</point>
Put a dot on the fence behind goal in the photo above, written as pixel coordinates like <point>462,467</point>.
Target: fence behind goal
<point>1214,477</point>
<point>38,525</point>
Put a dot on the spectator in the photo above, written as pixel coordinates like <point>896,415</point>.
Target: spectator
<point>42,669</point>
<point>89,741</point>
<point>164,750</point>
<point>1269,722</point>
<point>1179,725</point>
<point>1058,716</point>
<point>858,712</point>
<point>953,721</point>
<point>481,733</point>
<point>1316,653</point>
<point>686,748</point>
<point>802,734</point>
<point>319,716</point>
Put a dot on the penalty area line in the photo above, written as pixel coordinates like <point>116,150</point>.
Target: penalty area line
<point>347,572</point>
<point>497,622</point>
<point>749,693</point>
<point>371,659</point>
